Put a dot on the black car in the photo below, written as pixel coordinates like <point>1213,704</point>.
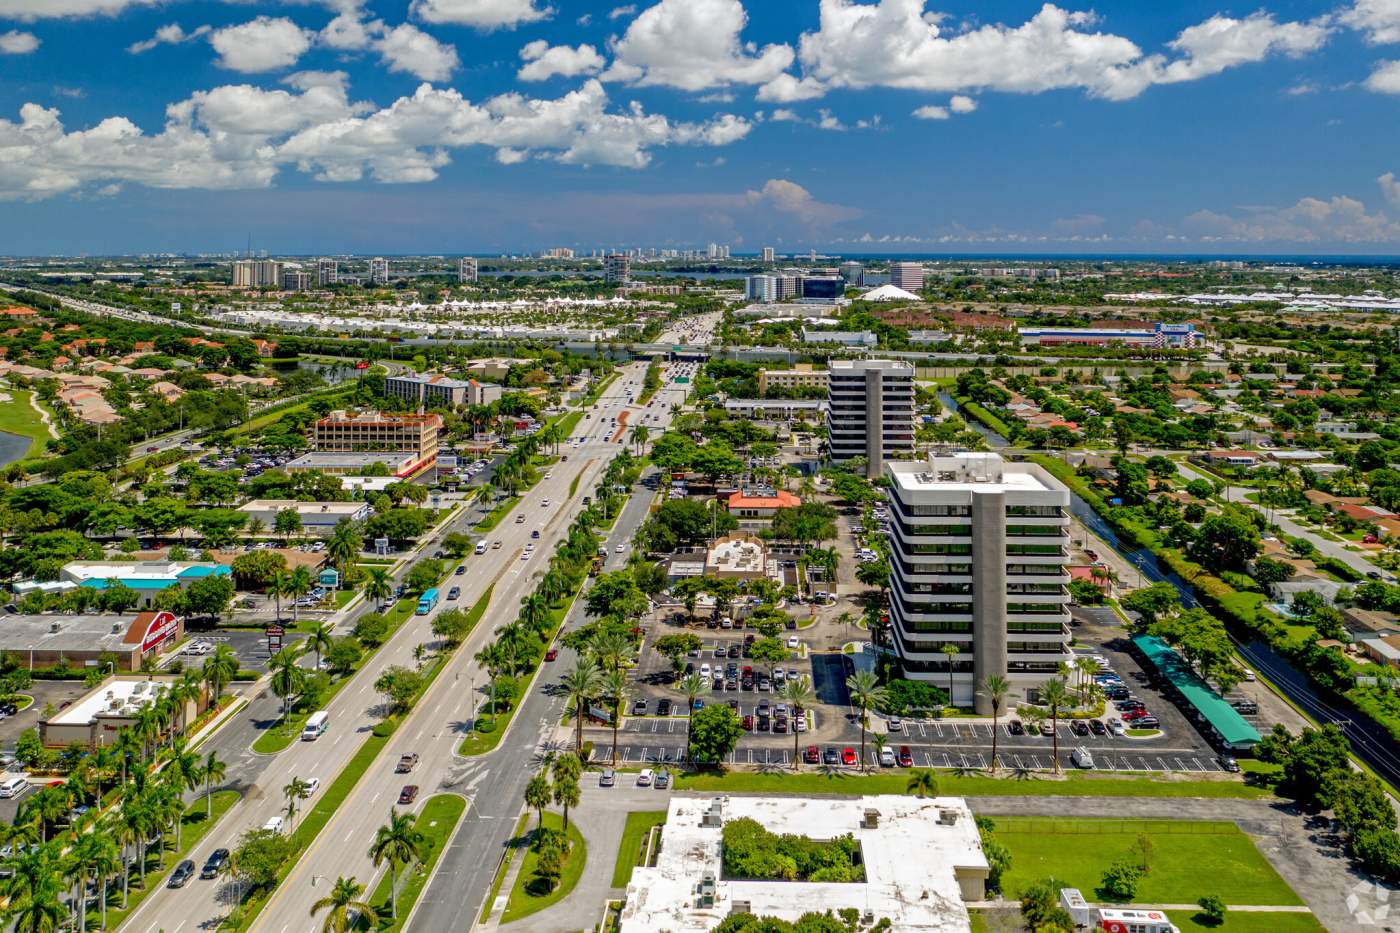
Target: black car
<point>455,592</point>
<point>830,756</point>
<point>733,651</point>
<point>1015,727</point>
<point>663,707</point>
<point>461,569</point>
<point>181,874</point>
<point>1228,764</point>
<point>1097,727</point>
<point>216,861</point>
<point>1079,727</point>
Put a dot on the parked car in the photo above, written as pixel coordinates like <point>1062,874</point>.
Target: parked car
<point>1015,727</point>
<point>1227,763</point>
<point>848,757</point>
<point>1047,728</point>
<point>644,777</point>
<point>663,707</point>
<point>608,778</point>
<point>906,757</point>
<point>812,755</point>
<point>887,759</point>
<point>830,756</point>
<point>663,779</point>
<point>639,708</point>
<point>1079,727</point>
<point>1096,726</point>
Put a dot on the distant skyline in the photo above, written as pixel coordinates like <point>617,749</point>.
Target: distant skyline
<point>490,126</point>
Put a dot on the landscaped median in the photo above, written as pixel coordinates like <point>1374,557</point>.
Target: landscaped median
<point>531,892</point>
<point>437,821</point>
<point>196,824</point>
<point>1011,784</point>
<point>632,850</point>
<point>494,517</point>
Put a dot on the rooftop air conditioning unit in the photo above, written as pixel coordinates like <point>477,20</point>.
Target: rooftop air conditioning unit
<point>53,626</point>
<point>947,817</point>
<point>871,820</point>
<point>715,815</point>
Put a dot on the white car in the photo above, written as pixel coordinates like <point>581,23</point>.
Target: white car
<point>549,475</point>
<point>545,504</point>
<point>312,785</point>
<point>792,641</point>
<point>705,671</point>
<point>644,777</point>
<point>621,548</point>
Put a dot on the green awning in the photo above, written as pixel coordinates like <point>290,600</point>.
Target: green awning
<point>1221,715</point>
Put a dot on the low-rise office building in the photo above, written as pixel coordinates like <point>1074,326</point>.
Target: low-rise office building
<point>978,557</point>
<point>760,502</point>
<point>775,409</point>
<point>316,517</point>
<point>1156,336</point>
<point>801,376</point>
<point>352,463</point>
<point>88,641</point>
<point>429,390</point>
<point>922,861</point>
<point>146,578</point>
<point>96,719</point>
<point>379,432</point>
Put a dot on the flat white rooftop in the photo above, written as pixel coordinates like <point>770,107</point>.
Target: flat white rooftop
<point>914,853</point>
<point>117,696</point>
<point>985,472</point>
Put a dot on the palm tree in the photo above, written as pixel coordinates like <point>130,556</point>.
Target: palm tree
<point>255,527</point>
<point>344,898</point>
<point>298,585</point>
<point>951,650</point>
<point>295,791</point>
<point>397,842</point>
<point>219,669</point>
<point>104,862</point>
<point>581,685</point>
<point>995,687</point>
<point>692,685</point>
<point>613,649</point>
<point>615,685</point>
<point>182,773</point>
<point>319,640</point>
<point>378,587</point>
<point>922,783</point>
<point>167,809</point>
<point>538,793</point>
<point>1086,668</point>
<point>567,769</point>
<point>288,678</point>
<point>47,806</point>
<point>84,856</point>
<point>1055,696</point>
<point>484,495</point>
<point>639,437</point>
<point>799,693</point>
<point>866,693</point>
<point>213,770</point>
<point>343,547</point>
<point>41,911</point>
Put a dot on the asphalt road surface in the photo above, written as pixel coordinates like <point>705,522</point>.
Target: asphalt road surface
<point>433,730</point>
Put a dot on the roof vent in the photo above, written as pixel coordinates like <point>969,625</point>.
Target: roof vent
<point>53,626</point>
<point>947,817</point>
<point>871,820</point>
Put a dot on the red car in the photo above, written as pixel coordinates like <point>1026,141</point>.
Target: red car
<point>748,727</point>
<point>1133,715</point>
<point>811,755</point>
<point>848,757</point>
<point>906,758</point>
<point>408,794</point>
<point>551,654</point>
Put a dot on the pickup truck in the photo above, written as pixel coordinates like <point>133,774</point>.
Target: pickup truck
<point>406,763</point>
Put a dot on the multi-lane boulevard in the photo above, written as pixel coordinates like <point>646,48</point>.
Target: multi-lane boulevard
<point>433,730</point>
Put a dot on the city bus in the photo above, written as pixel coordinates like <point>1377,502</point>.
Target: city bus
<point>315,726</point>
<point>427,601</point>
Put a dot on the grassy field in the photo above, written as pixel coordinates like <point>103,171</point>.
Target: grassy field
<point>522,902</point>
<point>497,514</point>
<point>1251,922</point>
<point>1189,859</point>
<point>196,827</point>
<point>894,782</point>
<point>634,836</point>
<point>436,822</point>
<point>18,416</point>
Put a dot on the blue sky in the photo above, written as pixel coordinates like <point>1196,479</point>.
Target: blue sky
<point>498,125</point>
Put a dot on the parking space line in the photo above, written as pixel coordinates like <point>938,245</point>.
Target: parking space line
<point>626,754</point>
<point>981,762</point>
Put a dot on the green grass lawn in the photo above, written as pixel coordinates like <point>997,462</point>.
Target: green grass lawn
<point>522,902</point>
<point>497,514</point>
<point>342,597</point>
<point>436,822</point>
<point>196,826</point>
<point>1189,859</point>
<point>1250,922</point>
<point>634,837</point>
<point>894,782</point>
<point>18,416</point>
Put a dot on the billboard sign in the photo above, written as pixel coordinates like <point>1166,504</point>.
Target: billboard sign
<point>161,629</point>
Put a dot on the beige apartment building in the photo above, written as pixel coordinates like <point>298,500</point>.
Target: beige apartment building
<point>803,375</point>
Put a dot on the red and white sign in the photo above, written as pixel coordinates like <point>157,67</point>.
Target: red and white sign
<point>160,630</point>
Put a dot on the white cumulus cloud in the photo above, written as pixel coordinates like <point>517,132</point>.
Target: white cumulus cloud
<point>544,61</point>
<point>170,34</point>
<point>1378,19</point>
<point>1385,79</point>
<point>895,43</point>
<point>481,14</point>
<point>1390,187</point>
<point>694,45</point>
<point>932,112</point>
<point>15,42</point>
<point>30,10</point>
<point>408,49</point>
<point>961,103</point>
<point>263,44</point>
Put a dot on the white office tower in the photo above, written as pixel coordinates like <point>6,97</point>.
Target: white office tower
<point>870,410</point>
<point>762,288</point>
<point>466,270</point>
<point>853,273</point>
<point>616,268</point>
<point>327,272</point>
<point>786,286</point>
<point>379,271</point>
<point>767,254</point>
<point>712,251</point>
<point>908,276</point>
<point>978,555</point>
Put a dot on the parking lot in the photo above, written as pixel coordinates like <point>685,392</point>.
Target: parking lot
<point>250,644</point>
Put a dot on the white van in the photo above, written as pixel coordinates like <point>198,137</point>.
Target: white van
<point>13,787</point>
<point>1082,758</point>
<point>481,547</point>
<point>315,726</point>
<point>275,825</point>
